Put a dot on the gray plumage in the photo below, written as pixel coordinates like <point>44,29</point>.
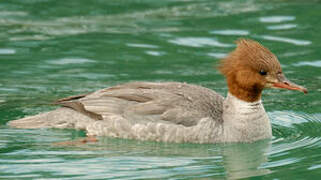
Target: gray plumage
<point>171,112</point>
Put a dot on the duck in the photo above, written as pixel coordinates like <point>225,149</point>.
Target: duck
<point>176,111</point>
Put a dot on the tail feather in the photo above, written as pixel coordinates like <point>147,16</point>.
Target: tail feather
<point>59,118</point>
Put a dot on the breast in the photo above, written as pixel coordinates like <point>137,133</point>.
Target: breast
<point>245,121</point>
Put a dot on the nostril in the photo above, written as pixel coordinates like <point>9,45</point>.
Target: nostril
<point>286,83</point>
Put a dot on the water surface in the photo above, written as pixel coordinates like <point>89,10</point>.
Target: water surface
<point>51,49</point>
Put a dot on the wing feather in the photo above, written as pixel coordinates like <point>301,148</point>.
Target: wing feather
<point>177,103</point>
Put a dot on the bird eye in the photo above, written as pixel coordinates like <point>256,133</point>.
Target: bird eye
<point>262,72</point>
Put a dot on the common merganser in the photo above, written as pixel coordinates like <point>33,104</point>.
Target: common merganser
<point>178,112</point>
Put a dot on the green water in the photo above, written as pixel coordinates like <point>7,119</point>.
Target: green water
<point>51,49</point>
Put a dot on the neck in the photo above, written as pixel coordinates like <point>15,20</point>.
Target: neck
<point>249,95</point>
<point>245,121</point>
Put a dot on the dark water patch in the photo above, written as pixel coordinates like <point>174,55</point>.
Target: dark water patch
<point>52,49</point>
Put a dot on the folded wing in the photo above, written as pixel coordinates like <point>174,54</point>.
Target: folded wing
<point>176,103</point>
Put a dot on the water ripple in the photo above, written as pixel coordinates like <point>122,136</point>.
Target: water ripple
<point>282,26</point>
<point>276,19</point>
<point>317,166</point>
<point>234,32</point>
<point>154,53</point>
<point>316,63</point>
<point>287,40</point>
<point>42,48</point>
<point>294,131</point>
<point>142,45</point>
<point>285,118</point>
<point>280,163</point>
<point>65,61</point>
<point>199,42</point>
<point>13,13</point>
<point>217,55</point>
<point>123,22</point>
<point>7,51</point>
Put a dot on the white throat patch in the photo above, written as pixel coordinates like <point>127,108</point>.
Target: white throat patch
<point>245,121</point>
